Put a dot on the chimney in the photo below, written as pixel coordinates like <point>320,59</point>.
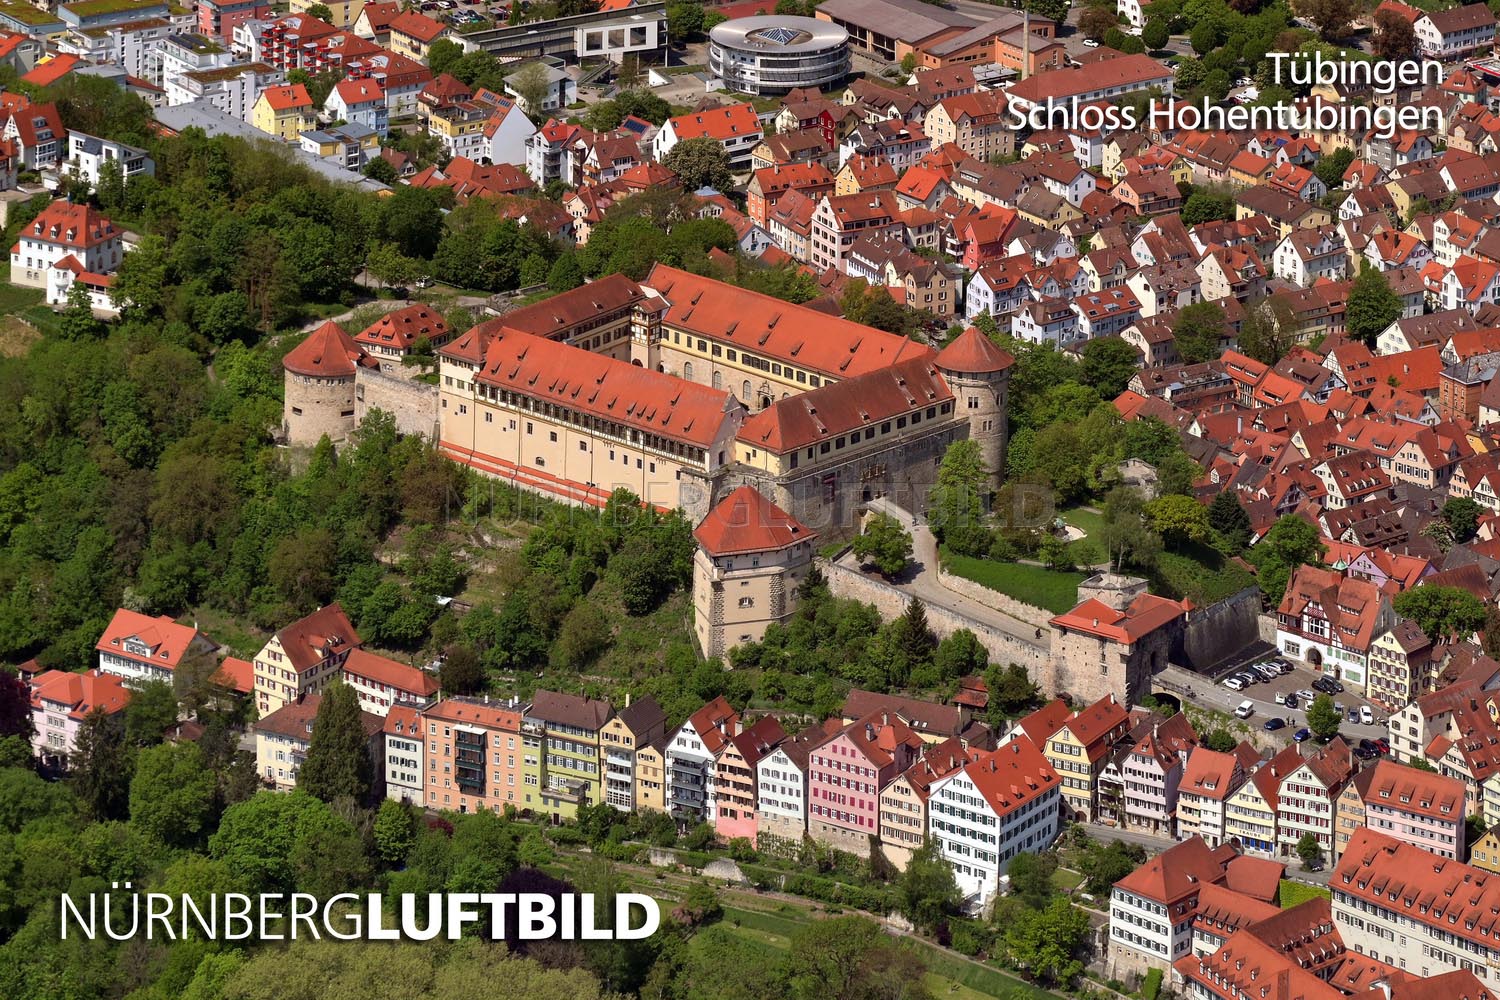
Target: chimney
<point>869,732</point>
<point>885,718</point>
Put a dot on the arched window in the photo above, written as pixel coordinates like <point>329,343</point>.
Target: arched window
<point>687,370</point>
<point>745,391</point>
<point>718,380</point>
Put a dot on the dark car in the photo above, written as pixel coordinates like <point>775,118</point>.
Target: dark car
<point>1368,744</point>
<point>1291,701</point>
<point>1302,734</point>
<point>1274,724</point>
<point>1366,753</point>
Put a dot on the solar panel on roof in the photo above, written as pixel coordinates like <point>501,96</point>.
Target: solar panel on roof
<point>781,36</point>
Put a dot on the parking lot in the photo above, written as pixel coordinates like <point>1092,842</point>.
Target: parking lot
<point>1211,693</point>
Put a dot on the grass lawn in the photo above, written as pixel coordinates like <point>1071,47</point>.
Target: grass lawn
<point>948,975</point>
<point>1087,549</point>
<point>1065,879</point>
<point>15,298</point>
<point>1045,588</point>
<point>1091,522</point>
<point>225,630</point>
<point>1293,893</point>
<point>1200,572</point>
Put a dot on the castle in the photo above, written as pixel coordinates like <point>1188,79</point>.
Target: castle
<point>680,388</point>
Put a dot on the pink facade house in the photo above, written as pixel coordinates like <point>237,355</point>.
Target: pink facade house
<point>60,702</point>
<point>845,777</point>
<point>734,778</point>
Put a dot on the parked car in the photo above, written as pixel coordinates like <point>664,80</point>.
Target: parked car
<point>1366,716</point>
<point>1305,695</point>
<point>1246,709</point>
<point>1090,43</point>
<point>1274,724</point>
<point>1279,698</point>
<point>1369,744</point>
<point>1353,714</point>
<point>1334,687</point>
<point>1364,753</point>
<point>1292,702</point>
<point>1322,684</point>
<point>1383,745</point>
<point>1234,683</point>
<point>1302,735</point>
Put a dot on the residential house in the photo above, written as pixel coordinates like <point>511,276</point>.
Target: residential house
<point>691,756</point>
<point>381,683</point>
<point>1080,750</point>
<point>402,759</point>
<point>1416,807</point>
<point>640,724</point>
<point>283,736</point>
<point>736,127</point>
<point>781,786</point>
<point>1251,811</point>
<point>1307,798</point>
<point>303,657</point>
<point>1207,783</point>
<point>359,102</point>
<point>283,112</point>
<point>735,778</point>
<point>64,229</point>
<point>569,727</point>
<point>845,776</point>
<point>984,814</point>
<point>1329,620</point>
<point>412,34</point>
<point>60,701</point>
<point>903,802</point>
<point>141,649</point>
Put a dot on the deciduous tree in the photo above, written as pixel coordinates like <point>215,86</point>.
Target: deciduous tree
<point>884,544</point>
<point>1372,305</point>
<point>172,794</point>
<point>1322,718</point>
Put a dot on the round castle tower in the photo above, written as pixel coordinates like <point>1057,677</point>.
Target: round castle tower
<point>320,385</point>
<point>978,372</point>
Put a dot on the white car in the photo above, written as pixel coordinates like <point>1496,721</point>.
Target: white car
<point>1089,43</point>
<point>1234,684</point>
<point>1246,709</point>
<point>1366,716</point>
<point>1279,698</point>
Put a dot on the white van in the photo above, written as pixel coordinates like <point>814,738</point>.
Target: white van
<point>1246,709</point>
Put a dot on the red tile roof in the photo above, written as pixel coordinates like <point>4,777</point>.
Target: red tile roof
<point>237,674</point>
<point>80,694</point>
<point>720,123</point>
<point>971,352</point>
<point>328,352</point>
<point>864,401</point>
<point>382,670</point>
<point>414,25</point>
<point>745,521</point>
<point>1012,776</point>
<point>64,223</point>
<point>1145,615</point>
<point>402,328</point>
<point>166,641</point>
<point>287,97</point>
<point>310,640</point>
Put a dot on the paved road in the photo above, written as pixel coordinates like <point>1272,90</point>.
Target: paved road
<point>921,580</point>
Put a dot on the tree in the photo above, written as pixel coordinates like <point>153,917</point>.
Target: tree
<point>1219,741</point>
<point>461,672</point>
<point>1155,34</point>
<point>321,12</point>
<point>395,831</point>
<point>1011,691</point>
<point>1198,330</point>
<point>962,493</point>
<point>1309,850</point>
<point>1331,166</point>
<point>1105,864</point>
<point>1322,718</point>
<point>1031,877</point>
<point>300,570</point>
<point>1269,330</point>
<point>15,707</point>
<point>850,958</point>
<point>379,168</point>
<point>1228,519</point>
<point>151,710</point>
<point>338,759</point>
<point>1331,17</point>
<point>1178,519</point>
<point>1372,305</point>
<point>1207,206</point>
<point>960,655</point>
<point>442,54</point>
<point>1204,37</point>
<point>172,793</point>
<point>1462,515</point>
<point>885,544</point>
<point>1394,37</point>
<point>1048,942</point>
<point>684,20</point>
<point>78,322</point>
<point>929,893</point>
<point>1289,543</point>
<point>1108,364</point>
<point>1126,537</point>
<point>389,266</point>
<point>1441,611</point>
<point>700,163</point>
<point>100,765</point>
<point>531,86</point>
<point>1096,22</point>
